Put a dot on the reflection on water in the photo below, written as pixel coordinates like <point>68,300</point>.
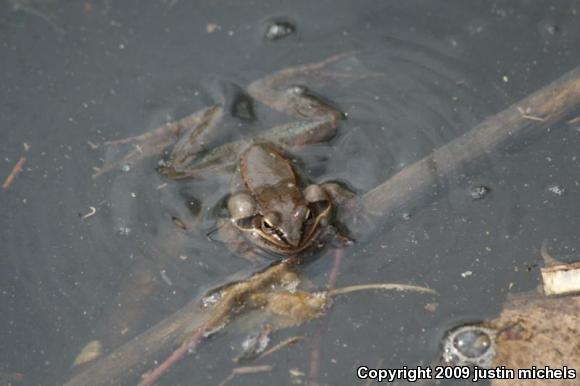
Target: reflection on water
<point>76,75</point>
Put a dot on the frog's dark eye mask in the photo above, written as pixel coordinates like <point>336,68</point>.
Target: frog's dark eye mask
<point>257,223</point>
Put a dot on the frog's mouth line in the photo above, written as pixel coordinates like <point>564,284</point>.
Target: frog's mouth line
<point>275,240</point>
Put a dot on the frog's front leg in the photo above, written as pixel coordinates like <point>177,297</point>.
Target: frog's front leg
<point>193,132</point>
<point>336,233</point>
<point>351,219</point>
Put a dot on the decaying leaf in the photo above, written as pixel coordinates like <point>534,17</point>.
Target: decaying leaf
<point>535,330</point>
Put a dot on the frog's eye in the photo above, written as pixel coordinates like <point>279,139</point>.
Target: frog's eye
<point>267,226</point>
<point>241,205</point>
<point>270,222</point>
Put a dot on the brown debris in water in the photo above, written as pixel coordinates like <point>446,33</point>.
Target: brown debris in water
<point>15,170</point>
<point>535,330</point>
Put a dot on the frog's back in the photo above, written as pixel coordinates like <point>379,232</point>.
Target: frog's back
<point>262,166</point>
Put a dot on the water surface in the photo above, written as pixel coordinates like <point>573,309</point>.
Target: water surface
<point>77,74</point>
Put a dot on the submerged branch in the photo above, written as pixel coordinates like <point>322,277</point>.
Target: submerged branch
<point>546,106</point>
<point>537,111</point>
<point>186,328</point>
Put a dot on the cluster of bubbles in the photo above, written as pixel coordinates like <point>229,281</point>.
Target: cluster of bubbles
<point>478,192</point>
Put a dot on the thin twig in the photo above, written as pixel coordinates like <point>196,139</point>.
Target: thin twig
<point>381,286</point>
<point>246,370</point>
<point>223,311</point>
<point>316,354</point>
<point>190,344</point>
<point>15,170</point>
<point>92,211</point>
<point>281,345</point>
<point>531,117</point>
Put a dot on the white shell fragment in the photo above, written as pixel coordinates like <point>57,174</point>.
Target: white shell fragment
<point>561,279</point>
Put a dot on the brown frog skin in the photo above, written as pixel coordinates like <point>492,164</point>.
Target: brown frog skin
<point>271,207</point>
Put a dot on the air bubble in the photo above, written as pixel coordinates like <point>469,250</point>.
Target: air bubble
<point>211,300</point>
<point>472,343</point>
<point>556,189</point>
<point>478,192</point>
<point>279,29</point>
<point>468,346</point>
<point>124,230</point>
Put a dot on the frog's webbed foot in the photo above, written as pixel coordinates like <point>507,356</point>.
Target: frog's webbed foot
<point>192,129</point>
<point>284,90</point>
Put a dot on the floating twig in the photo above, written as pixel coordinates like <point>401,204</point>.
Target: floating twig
<point>232,301</point>
<point>381,286</point>
<point>531,117</point>
<point>281,345</point>
<point>92,211</point>
<point>316,353</point>
<point>315,356</point>
<point>15,170</point>
<point>246,370</point>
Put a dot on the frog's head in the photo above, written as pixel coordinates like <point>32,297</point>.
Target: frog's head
<point>288,228</point>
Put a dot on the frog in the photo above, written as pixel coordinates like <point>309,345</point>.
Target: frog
<point>271,206</point>
<point>274,209</point>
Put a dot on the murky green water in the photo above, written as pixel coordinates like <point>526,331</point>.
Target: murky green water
<point>79,73</point>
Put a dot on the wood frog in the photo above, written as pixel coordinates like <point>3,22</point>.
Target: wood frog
<point>271,205</point>
<point>274,209</point>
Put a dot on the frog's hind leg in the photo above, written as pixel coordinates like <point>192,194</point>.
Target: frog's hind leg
<point>192,130</point>
<point>260,88</point>
<point>285,90</point>
<point>298,134</point>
